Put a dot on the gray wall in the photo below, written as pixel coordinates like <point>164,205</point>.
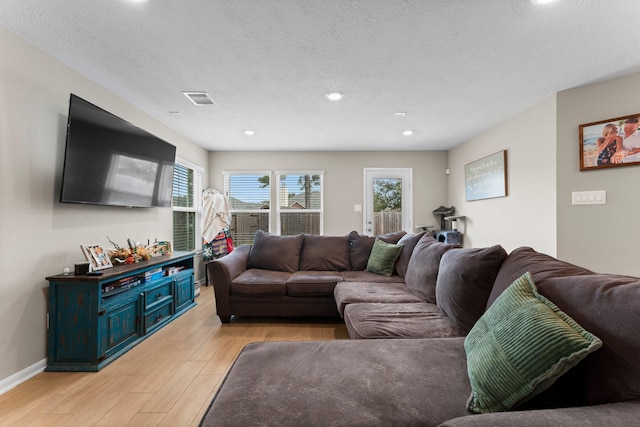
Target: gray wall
<point>527,215</point>
<point>543,171</point>
<point>39,235</point>
<point>601,237</point>
<point>343,179</point>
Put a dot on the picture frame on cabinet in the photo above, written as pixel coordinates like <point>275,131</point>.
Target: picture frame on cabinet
<point>97,256</point>
<point>610,143</point>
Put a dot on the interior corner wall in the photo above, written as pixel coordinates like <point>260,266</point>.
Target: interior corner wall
<point>603,238</point>
<point>40,236</point>
<point>527,215</point>
<point>343,175</point>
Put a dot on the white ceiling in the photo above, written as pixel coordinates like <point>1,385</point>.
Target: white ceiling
<point>456,67</point>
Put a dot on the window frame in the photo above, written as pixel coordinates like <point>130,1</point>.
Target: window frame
<point>279,209</point>
<point>227,175</point>
<point>198,177</point>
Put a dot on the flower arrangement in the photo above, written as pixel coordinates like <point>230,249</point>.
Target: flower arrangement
<point>135,252</point>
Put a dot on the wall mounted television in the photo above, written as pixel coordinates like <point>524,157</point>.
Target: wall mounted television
<point>109,161</point>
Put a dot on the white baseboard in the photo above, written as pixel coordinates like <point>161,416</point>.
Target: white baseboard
<point>22,376</point>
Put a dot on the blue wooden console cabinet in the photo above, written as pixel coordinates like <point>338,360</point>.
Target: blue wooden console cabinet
<point>92,320</point>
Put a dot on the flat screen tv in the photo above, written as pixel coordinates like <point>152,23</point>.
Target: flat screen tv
<point>109,161</point>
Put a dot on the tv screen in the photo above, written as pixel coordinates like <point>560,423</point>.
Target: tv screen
<point>109,161</point>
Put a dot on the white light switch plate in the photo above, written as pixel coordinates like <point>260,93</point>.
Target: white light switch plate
<point>598,197</point>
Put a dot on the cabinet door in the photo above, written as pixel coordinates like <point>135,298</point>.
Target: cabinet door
<point>184,290</point>
<point>122,325</point>
<point>72,336</point>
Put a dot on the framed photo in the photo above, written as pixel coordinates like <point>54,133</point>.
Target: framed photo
<point>486,178</point>
<point>610,143</point>
<point>97,256</point>
<point>161,248</point>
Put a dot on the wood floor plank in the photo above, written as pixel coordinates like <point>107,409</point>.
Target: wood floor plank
<point>125,410</point>
<point>169,379</point>
<point>174,387</point>
<point>187,406</point>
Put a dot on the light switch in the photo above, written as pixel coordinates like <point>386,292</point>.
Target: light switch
<point>357,208</point>
<point>598,197</point>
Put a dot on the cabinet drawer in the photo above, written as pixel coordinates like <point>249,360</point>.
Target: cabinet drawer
<point>158,295</point>
<point>155,318</point>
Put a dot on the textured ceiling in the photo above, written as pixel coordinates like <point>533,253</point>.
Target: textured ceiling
<point>456,67</point>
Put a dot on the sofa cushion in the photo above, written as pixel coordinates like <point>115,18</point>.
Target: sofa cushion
<point>520,346</point>
<point>354,292</point>
<point>607,306</point>
<point>541,267</point>
<point>408,242</point>
<point>365,276</point>
<point>273,252</point>
<point>371,383</point>
<point>422,271</point>
<point>256,282</point>
<point>404,320</point>
<point>324,253</point>
<point>312,283</point>
<point>382,259</point>
<point>360,247</point>
<point>464,282</point>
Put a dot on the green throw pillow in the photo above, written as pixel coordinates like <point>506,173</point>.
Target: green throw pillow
<point>383,257</point>
<point>520,346</point>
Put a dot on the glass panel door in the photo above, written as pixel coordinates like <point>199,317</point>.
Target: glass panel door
<point>388,200</point>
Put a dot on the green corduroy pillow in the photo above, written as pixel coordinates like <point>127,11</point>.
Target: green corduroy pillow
<point>383,257</point>
<point>520,346</point>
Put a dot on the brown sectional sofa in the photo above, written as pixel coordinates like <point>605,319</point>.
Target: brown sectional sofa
<point>426,378</point>
<point>296,275</point>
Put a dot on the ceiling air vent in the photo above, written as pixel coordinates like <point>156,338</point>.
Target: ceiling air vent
<point>199,98</point>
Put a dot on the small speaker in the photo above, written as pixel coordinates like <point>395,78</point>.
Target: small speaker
<point>448,236</point>
<point>81,268</point>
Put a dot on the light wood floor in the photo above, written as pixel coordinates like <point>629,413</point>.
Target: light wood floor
<point>167,380</point>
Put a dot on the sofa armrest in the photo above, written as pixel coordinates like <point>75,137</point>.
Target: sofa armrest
<point>221,272</point>
<point>611,414</point>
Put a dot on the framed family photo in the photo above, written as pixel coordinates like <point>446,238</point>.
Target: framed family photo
<point>97,256</point>
<point>610,143</point>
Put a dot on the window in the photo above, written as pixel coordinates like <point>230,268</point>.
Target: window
<point>187,206</point>
<point>249,196</point>
<point>299,202</point>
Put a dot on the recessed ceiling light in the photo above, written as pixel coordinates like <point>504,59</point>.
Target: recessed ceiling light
<point>249,132</point>
<point>400,113</point>
<point>408,132</point>
<point>334,96</point>
<point>542,1</point>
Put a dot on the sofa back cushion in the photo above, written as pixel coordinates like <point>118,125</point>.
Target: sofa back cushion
<point>273,252</point>
<point>465,280</point>
<point>360,247</point>
<point>605,305</point>
<point>540,266</point>
<point>408,242</point>
<point>324,253</point>
<point>422,271</point>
